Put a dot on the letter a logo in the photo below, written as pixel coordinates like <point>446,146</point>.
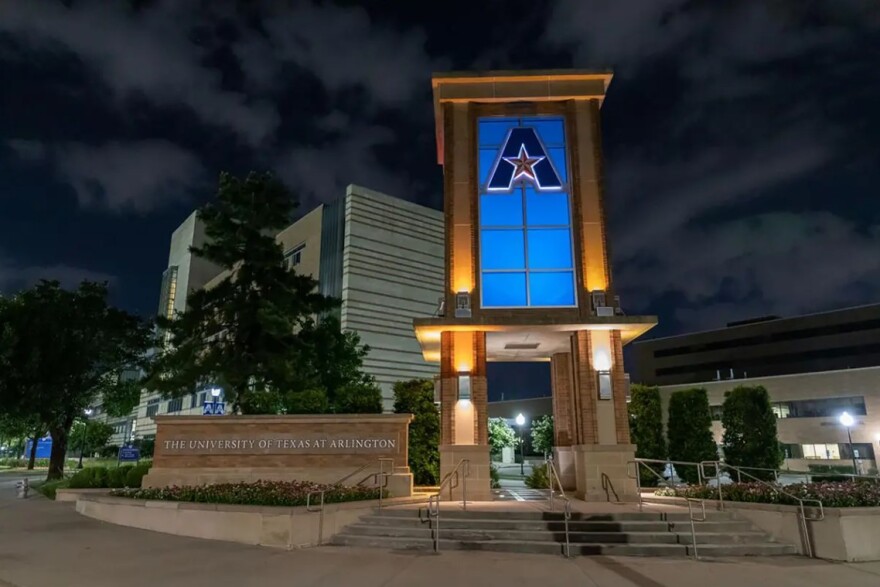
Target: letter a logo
<point>523,159</point>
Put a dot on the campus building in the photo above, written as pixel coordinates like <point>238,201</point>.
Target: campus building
<point>382,256</point>
<point>815,367</point>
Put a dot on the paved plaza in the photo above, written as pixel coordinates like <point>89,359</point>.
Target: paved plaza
<point>47,544</point>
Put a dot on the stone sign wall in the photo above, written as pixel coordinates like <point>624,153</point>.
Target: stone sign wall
<point>195,450</point>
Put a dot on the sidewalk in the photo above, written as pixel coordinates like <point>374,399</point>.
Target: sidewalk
<point>46,544</point>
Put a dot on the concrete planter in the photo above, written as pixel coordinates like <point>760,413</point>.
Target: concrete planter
<point>279,527</point>
<point>71,495</point>
<point>846,534</point>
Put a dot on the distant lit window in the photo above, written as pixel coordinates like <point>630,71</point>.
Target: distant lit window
<point>781,410</point>
<point>293,257</point>
<point>821,451</point>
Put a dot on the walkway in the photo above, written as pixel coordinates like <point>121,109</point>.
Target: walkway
<point>44,544</point>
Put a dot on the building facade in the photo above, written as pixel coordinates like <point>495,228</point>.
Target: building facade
<point>808,408</point>
<point>381,256</point>
<point>826,341</point>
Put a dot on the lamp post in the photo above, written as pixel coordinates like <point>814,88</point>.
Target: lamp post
<point>520,420</point>
<point>85,436</point>
<point>847,422</point>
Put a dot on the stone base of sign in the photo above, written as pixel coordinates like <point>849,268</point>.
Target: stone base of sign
<point>602,472</point>
<point>399,484</point>
<point>479,481</point>
<point>563,460</point>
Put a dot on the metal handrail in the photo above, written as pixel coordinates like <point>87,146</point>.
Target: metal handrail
<point>460,472</point>
<point>801,501</point>
<point>554,474</point>
<point>702,502</point>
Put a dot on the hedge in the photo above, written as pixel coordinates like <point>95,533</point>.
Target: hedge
<point>269,493</point>
<point>863,493</point>
<point>109,477</point>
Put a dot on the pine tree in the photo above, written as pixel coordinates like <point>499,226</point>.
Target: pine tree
<point>246,334</point>
<point>416,397</point>
<point>689,431</point>
<point>750,431</point>
<point>646,429</point>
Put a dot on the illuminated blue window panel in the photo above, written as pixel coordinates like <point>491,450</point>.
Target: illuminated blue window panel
<point>502,210</point>
<point>504,290</point>
<point>526,257</point>
<point>549,249</point>
<point>502,249</point>
<point>546,209</point>
<point>551,288</point>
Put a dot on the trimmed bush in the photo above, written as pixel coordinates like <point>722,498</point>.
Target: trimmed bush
<point>416,397</point>
<point>48,488</point>
<point>494,477</point>
<point>689,431</point>
<point>750,431</point>
<point>646,429</point>
<point>865,493</point>
<point>268,493</point>
<point>135,475</point>
<point>116,476</point>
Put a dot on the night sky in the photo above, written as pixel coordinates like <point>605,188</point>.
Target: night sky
<point>742,139</point>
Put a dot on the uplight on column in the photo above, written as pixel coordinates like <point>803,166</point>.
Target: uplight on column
<point>464,388</point>
<point>602,364</point>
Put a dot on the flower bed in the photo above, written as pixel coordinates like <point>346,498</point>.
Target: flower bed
<point>271,493</point>
<point>832,494</point>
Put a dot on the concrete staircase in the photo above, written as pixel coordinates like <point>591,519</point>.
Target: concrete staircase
<point>625,533</point>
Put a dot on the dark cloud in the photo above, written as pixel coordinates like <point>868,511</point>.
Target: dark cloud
<point>739,117</point>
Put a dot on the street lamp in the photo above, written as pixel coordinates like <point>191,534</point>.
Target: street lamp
<point>85,435</point>
<point>847,422</point>
<point>520,420</point>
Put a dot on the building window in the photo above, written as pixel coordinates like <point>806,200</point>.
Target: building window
<point>194,400</point>
<point>168,293</point>
<point>175,405</point>
<point>152,408</point>
<point>526,253</point>
<point>202,397</point>
<point>827,408</point>
<point>781,410</point>
<point>293,257</point>
<point>821,451</point>
<point>793,451</point>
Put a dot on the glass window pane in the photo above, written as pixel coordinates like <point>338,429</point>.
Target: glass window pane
<point>549,129</point>
<point>549,249</point>
<point>501,210</point>
<point>487,159</point>
<point>551,289</point>
<point>502,249</point>
<point>494,131</point>
<point>504,290</point>
<point>546,208</point>
<point>833,451</point>
<point>558,158</point>
<point>809,451</point>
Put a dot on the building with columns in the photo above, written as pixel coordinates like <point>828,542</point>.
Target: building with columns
<point>527,275</point>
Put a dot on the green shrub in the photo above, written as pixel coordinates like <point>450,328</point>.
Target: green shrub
<point>416,397</point>
<point>538,478</point>
<point>689,431</point>
<point>135,475</point>
<point>831,494</point>
<point>646,430</point>
<point>494,476</point>
<point>267,493</point>
<point>83,478</point>
<point>111,451</point>
<point>116,476</point>
<point>17,463</point>
<point>48,488</point>
<point>750,431</point>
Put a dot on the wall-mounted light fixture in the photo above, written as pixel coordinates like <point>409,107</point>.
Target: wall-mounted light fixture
<point>462,305</point>
<point>464,387</point>
<point>604,384</point>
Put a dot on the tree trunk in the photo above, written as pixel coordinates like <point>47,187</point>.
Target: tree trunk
<point>32,458</point>
<point>60,436</point>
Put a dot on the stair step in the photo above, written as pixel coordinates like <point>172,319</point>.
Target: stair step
<point>454,512</point>
<point>518,535</point>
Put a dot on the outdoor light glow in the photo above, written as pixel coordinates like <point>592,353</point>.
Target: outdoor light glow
<point>601,362</point>
<point>88,411</point>
<point>846,419</point>
<point>215,391</point>
<point>877,437</point>
<point>520,420</point>
<point>464,403</point>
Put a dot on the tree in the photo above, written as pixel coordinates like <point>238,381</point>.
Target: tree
<point>689,431</point>
<point>416,397</point>
<point>65,349</point>
<point>750,431</point>
<point>542,434</point>
<point>254,332</point>
<point>87,437</point>
<point>646,429</point>
<point>501,435</point>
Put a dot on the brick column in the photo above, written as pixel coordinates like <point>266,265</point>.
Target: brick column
<point>584,391</point>
<point>448,389</point>
<point>563,404</point>
<point>618,387</point>
<point>480,391</point>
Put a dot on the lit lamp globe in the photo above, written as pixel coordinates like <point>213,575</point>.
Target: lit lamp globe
<point>215,392</point>
<point>520,420</point>
<point>846,419</point>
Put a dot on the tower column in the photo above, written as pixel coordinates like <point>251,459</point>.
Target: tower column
<point>464,413</point>
<point>561,385</point>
